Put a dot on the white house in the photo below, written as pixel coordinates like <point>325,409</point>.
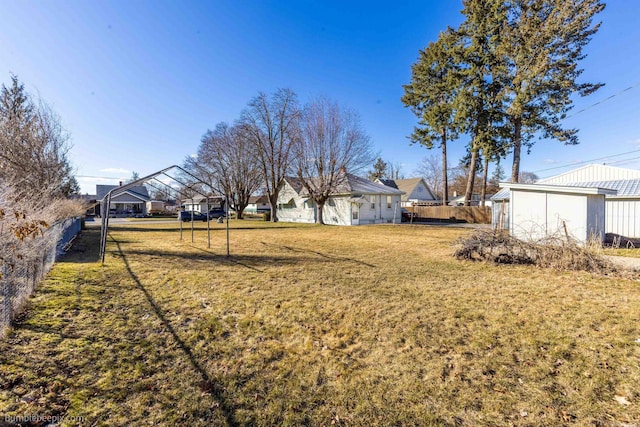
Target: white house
<point>202,204</point>
<point>416,191</point>
<point>131,201</point>
<point>356,201</point>
<point>258,204</point>
<point>620,188</point>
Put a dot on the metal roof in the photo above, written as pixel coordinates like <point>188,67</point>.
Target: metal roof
<point>624,187</point>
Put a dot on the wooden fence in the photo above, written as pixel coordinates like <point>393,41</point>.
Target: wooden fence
<point>470,214</point>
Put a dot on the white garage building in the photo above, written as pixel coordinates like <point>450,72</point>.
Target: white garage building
<point>619,187</point>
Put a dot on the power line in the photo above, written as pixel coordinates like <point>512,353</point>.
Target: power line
<point>589,161</point>
<point>603,100</point>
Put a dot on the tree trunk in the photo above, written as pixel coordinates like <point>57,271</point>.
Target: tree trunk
<point>517,145</point>
<point>273,203</point>
<point>320,217</point>
<point>240,212</point>
<point>445,181</point>
<point>471,178</point>
<point>485,174</point>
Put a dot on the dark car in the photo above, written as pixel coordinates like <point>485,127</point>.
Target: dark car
<point>216,213</point>
<point>197,216</point>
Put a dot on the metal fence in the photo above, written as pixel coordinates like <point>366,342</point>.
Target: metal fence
<point>24,268</point>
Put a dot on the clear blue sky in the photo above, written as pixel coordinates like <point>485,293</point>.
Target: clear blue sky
<point>137,83</point>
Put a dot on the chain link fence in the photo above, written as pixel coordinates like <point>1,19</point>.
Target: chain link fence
<point>25,266</point>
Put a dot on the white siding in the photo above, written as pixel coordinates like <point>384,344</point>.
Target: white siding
<point>591,173</point>
<point>535,215</point>
<point>528,215</point>
<point>337,211</point>
<point>300,211</point>
<point>623,218</point>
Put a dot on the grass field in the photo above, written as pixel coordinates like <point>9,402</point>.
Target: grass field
<point>317,325</point>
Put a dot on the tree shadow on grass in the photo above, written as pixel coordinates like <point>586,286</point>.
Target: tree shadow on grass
<point>207,384</point>
<point>251,262</point>
<point>85,248</point>
<point>320,254</point>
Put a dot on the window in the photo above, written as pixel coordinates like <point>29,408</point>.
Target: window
<point>372,199</point>
<point>354,214</point>
<point>420,189</point>
<point>388,202</point>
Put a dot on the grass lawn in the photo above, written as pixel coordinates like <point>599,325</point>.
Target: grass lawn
<point>319,325</point>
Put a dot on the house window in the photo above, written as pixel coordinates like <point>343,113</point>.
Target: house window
<point>354,214</point>
<point>291,204</point>
<point>388,202</point>
<point>372,199</point>
<point>420,189</point>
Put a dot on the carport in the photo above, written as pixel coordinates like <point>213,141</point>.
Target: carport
<point>152,181</point>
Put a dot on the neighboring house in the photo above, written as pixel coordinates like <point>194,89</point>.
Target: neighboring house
<point>258,204</point>
<point>131,201</point>
<point>202,204</point>
<point>356,201</point>
<point>416,191</point>
<point>475,200</point>
<point>91,203</point>
<point>620,188</point>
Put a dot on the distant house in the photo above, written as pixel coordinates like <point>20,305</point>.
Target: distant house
<point>458,200</point>
<point>356,201</point>
<point>416,191</point>
<point>258,204</point>
<point>91,203</point>
<point>131,201</point>
<point>202,204</point>
<point>619,215</point>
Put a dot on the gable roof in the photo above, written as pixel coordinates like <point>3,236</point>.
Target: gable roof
<point>407,186</point>
<point>258,199</point>
<point>139,191</point>
<point>350,185</point>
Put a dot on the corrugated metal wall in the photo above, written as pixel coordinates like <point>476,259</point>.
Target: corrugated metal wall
<point>592,173</point>
<point>623,218</point>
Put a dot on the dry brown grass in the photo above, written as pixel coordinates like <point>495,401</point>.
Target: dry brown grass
<point>316,325</point>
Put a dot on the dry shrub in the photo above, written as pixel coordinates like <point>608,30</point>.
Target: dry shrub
<point>551,252</point>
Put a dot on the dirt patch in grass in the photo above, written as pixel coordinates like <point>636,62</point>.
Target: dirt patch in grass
<point>313,325</point>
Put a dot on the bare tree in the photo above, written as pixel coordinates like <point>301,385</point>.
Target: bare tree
<point>331,143</point>
<point>33,146</point>
<point>228,162</point>
<point>430,168</point>
<point>271,124</point>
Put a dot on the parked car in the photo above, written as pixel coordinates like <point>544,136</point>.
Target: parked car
<point>216,213</point>
<point>186,216</point>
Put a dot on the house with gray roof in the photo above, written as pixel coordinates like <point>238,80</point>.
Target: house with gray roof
<point>131,201</point>
<point>620,188</point>
<point>416,191</point>
<point>355,201</point>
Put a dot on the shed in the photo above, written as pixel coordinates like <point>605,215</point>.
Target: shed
<point>544,210</point>
<point>622,209</point>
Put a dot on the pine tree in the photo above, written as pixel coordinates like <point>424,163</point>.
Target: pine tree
<point>432,96</point>
<point>379,170</point>
<point>543,42</point>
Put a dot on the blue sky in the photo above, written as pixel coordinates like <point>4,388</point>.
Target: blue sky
<point>137,83</point>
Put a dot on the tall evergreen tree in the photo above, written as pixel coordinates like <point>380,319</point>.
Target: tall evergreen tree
<point>481,91</point>
<point>543,42</point>
<point>432,97</point>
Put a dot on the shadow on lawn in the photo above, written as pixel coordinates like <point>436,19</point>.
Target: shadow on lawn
<point>207,384</point>
<point>85,248</point>
<point>320,254</point>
